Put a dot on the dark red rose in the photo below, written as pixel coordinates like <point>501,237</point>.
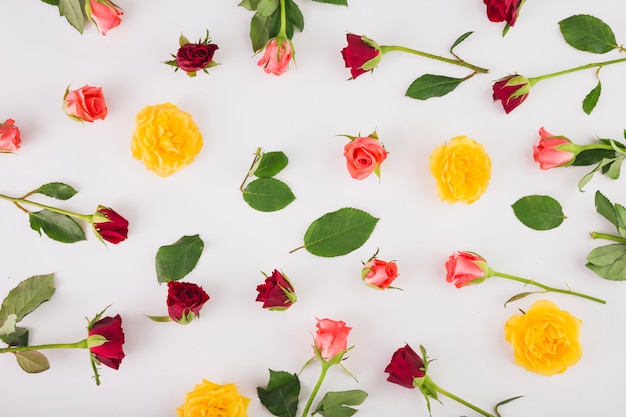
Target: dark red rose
<point>501,10</point>
<point>110,353</point>
<point>184,301</point>
<point>511,91</point>
<point>405,366</point>
<point>115,230</point>
<point>276,293</point>
<point>192,57</point>
<point>357,53</point>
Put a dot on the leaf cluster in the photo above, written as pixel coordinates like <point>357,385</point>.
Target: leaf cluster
<point>609,261</point>
<point>608,161</point>
<point>267,193</point>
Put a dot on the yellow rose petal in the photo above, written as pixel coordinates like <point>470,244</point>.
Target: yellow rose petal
<point>212,400</point>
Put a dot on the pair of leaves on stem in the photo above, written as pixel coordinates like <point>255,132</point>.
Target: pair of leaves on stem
<point>609,261</point>
<point>266,193</point>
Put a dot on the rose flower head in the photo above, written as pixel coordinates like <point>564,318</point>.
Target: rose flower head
<point>166,138</point>
<point>184,301</point>
<point>405,366</point>
<point>105,340</point>
<point>9,136</point>
<point>503,10</point>
<point>545,339</point>
<point>331,340</point>
<point>278,53</point>
<point>467,268</point>
<point>361,55</point>
<point>212,400</point>
<point>109,225</point>
<point>378,273</point>
<point>364,155</point>
<point>85,104</point>
<point>511,91</point>
<point>553,151</point>
<point>193,57</point>
<point>462,170</point>
<point>277,292</point>
<point>105,14</point>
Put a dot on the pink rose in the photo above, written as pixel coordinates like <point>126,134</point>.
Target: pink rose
<point>465,268</point>
<point>549,152</point>
<point>501,10</point>
<point>276,61</point>
<point>379,274</point>
<point>511,91</point>
<point>331,338</point>
<point>105,14</point>
<point>358,53</point>
<point>85,104</point>
<point>364,156</point>
<point>9,136</point>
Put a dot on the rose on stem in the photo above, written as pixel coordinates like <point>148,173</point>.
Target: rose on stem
<point>279,50</point>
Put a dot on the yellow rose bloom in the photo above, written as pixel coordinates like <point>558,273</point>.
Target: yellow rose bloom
<point>545,339</point>
<point>212,400</point>
<point>166,138</point>
<point>462,169</point>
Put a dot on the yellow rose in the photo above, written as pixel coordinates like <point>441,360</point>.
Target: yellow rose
<point>166,138</point>
<point>212,400</point>
<point>462,169</point>
<point>545,339</point>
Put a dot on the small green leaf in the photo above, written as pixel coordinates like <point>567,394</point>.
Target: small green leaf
<point>587,177</point>
<point>539,212</point>
<point>614,167</point>
<point>429,85</point>
<point>337,2</point>
<point>249,4</point>
<point>335,404</point>
<point>52,2</point>
<point>259,31</point>
<point>17,338</point>
<point>56,226</point>
<point>503,402</point>
<point>32,361</point>
<point>56,190</point>
<point>609,262</point>
<point>268,194</point>
<point>160,319</point>
<point>605,208</point>
<point>280,397</point>
<point>588,33</point>
<point>590,101</point>
<point>73,13</point>
<point>620,217</point>
<point>339,232</point>
<point>267,8</point>
<point>294,15</point>
<point>520,296</point>
<point>27,296</point>
<point>271,163</point>
<point>459,40</point>
<point>175,261</point>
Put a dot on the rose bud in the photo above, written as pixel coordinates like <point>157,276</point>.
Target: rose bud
<point>331,339</point>
<point>553,151</point>
<point>361,55</point>
<point>364,156</point>
<point>110,351</point>
<point>105,14</point>
<point>379,274</point>
<point>275,60</point>
<point>9,136</point>
<point>511,91</point>
<point>405,366</point>
<point>85,104</point>
<point>465,268</point>
<point>501,10</point>
<point>277,293</point>
<point>184,301</point>
<point>109,225</point>
<point>192,57</point>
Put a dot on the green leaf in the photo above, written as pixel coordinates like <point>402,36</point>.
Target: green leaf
<point>56,226</point>
<point>459,40</point>
<point>175,261</point>
<point>614,167</point>
<point>520,296</point>
<point>17,338</point>
<point>52,2</point>
<point>294,15</point>
<point>587,177</point>
<point>429,85</point>
<point>271,163</point>
<point>609,262</point>
<point>620,217</point>
<point>26,297</point>
<point>73,13</point>
<point>280,397</point>
<point>337,2</point>
<point>339,232</point>
<point>592,156</point>
<point>259,31</point>
<point>503,402</point>
<point>160,319</point>
<point>249,4</point>
<point>590,101</point>
<point>335,404</point>
<point>539,212</point>
<point>56,190</point>
<point>268,194</point>
<point>267,8</point>
<point>605,208</point>
<point>32,361</point>
<point>588,33</point>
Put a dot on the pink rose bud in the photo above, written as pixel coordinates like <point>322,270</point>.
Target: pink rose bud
<point>405,366</point>
<point>9,137</point>
<point>501,10</point>
<point>275,60</point>
<point>364,156</point>
<point>511,91</point>
<point>361,55</point>
<point>110,353</point>
<point>465,268</point>
<point>109,225</point>
<point>277,293</point>
<point>553,151</point>
<point>192,57</point>
<point>85,104</point>
<point>331,339</point>
<point>105,14</point>
<point>184,301</point>
<point>379,274</point>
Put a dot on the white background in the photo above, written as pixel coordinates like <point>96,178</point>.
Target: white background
<point>238,107</point>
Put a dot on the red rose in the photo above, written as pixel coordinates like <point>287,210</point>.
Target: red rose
<point>511,91</point>
<point>379,274</point>
<point>331,339</point>
<point>110,353</point>
<point>85,104</point>
<point>501,10</point>
<point>549,152</point>
<point>184,301</point>
<point>105,15</point>
<point>405,366</point>
<point>364,156</point>
<point>465,268</point>
<point>359,52</point>
<point>276,293</point>
<point>9,136</point>
<point>192,57</point>
<point>114,229</point>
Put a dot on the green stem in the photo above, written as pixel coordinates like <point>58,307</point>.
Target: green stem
<point>596,235</point>
<point>535,80</point>
<point>462,401</point>
<point>386,48</point>
<point>19,201</point>
<point>307,407</point>
<point>252,168</point>
<point>282,33</point>
<point>547,288</point>
<point>78,345</point>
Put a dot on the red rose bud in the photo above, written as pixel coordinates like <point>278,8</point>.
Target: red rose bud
<point>9,136</point>
<point>105,14</point>
<point>361,55</point>
<point>331,339</point>
<point>379,274</point>
<point>405,366</point>
<point>193,57</point>
<point>109,353</point>
<point>184,301</point>
<point>276,59</point>
<point>501,10</point>
<point>109,225</point>
<point>511,91</point>
<point>465,268</point>
<point>553,151</point>
<point>277,293</point>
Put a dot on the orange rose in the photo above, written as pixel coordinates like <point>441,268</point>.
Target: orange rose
<point>364,156</point>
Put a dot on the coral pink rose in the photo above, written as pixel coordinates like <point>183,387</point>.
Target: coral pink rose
<point>549,153</point>
<point>331,338</point>
<point>465,268</point>
<point>9,136</point>
<point>275,60</point>
<point>184,301</point>
<point>105,14</point>
<point>405,366</point>
<point>85,104</point>
<point>364,156</point>
<point>358,53</point>
<point>501,10</point>
<point>511,91</point>
<point>379,274</point>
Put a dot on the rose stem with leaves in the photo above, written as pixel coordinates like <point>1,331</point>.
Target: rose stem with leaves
<point>18,201</point>
<point>534,80</point>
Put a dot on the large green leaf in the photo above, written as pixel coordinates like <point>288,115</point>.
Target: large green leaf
<point>280,397</point>
<point>32,361</point>
<point>336,404</point>
<point>268,194</point>
<point>267,7</point>
<point>592,156</point>
<point>271,163</point>
<point>429,85</point>
<point>26,297</point>
<point>591,99</point>
<point>175,261</point>
<point>73,12</point>
<point>337,2</point>
<point>259,31</point>
<point>588,33</point>
<point>605,208</point>
<point>56,190</point>
<point>294,15</point>
<point>539,212</point>
<point>339,232</point>
<point>609,261</point>
<point>56,226</point>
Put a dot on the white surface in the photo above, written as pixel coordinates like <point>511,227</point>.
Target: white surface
<point>238,107</point>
